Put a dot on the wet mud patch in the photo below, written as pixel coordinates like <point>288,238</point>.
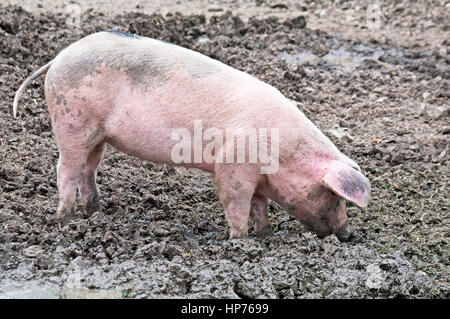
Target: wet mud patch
<point>162,232</point>
<point>285,266</point>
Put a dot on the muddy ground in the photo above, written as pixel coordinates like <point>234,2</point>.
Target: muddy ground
<point>382,98</point>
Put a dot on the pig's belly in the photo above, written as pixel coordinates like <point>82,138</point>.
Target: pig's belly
<point>148,137</point>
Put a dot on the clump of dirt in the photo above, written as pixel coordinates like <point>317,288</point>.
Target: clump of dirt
<point>162,233</point>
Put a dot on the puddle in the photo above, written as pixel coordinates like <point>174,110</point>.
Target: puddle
<point>299,58</point>
<point>85,293</point>
<point>29,290</point>
<point>349,60</point>
<point>35,290</point>
<point>346,58</point>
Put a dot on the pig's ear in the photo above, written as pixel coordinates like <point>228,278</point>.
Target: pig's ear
<point>347,183</point>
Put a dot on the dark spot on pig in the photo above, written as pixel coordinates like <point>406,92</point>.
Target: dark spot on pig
<point>71,126</point>
<point>80,113</point>
<point>86,121</point>
<point>83,99</point>
<point>67,110</point>
<point>128,113</point>
<point>62,112</point>
<point>60,100</point>
<point>89,84</point>
<point>316,191</point>
<point>147,68</point>
<point>85,68</point>
<point>144,70</point>
<point>352,182</point>
<point>55,118</point>
<point>237,185</point>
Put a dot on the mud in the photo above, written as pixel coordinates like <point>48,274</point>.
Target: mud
<point>162,232</point>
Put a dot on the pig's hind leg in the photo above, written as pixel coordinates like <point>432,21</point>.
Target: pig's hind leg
<point>70,163</point>
<point>259,215</point>
<point>79,155</point>
<point>86,182</point>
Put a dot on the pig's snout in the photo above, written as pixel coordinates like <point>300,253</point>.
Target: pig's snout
<point>345,232</point>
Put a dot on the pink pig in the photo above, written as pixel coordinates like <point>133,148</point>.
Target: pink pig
<point>132,92</point>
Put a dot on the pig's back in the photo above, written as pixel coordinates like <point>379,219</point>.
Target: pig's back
<point>112,67</point>
<point>146,61</point>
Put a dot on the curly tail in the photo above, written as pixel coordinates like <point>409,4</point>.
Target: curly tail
<point>27,82</point>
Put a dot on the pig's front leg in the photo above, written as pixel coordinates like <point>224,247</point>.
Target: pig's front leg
<point>258,212</point>
<point>236,185</point>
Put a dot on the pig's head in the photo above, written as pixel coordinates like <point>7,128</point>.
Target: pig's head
<point>327,199</point>
<point>318,198</point>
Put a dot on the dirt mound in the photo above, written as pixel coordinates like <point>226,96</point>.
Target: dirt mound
<point>162,232</point>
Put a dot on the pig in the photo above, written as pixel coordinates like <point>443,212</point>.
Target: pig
<point>132,92</point>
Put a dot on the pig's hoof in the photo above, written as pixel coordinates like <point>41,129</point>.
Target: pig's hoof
<point>66,219</point>
<point>264,232</point>
<point>92,206</point>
